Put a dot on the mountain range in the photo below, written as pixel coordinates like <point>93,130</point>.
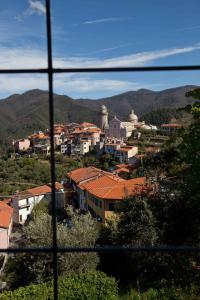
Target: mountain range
<point>22,114</point>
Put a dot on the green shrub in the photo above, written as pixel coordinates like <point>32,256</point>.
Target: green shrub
<point>171,293</point>
<point>86,286</point>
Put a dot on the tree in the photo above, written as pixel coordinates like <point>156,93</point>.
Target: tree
<point>79,231</point>
<point>136,226</point>
<point>84,286</point>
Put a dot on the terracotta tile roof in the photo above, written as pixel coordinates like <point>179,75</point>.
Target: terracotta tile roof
<point>58,185</point>
<point>115,188</point>
<point>93,130</point>
<point>77,130</point>
<point>122,166</point>
<point>85,124</point>
<point>7,201</point>
<point>172,125</point>
<point>36,191</point>
<point>39,136</point>
<point>40,190</point>
<point>108,180</point>
<point>6,213</point>
<point>85,131</point>
<point>83,174</point>
<point>123,169</point>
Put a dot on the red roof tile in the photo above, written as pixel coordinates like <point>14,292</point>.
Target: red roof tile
<point>113,187</point>
<point>6,213</point>
<point>39,190</point>
<point>172,125</point>
<point>83,174</point>
<point>85,124</point>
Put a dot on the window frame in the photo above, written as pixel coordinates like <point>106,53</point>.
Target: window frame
<point>50,71</point>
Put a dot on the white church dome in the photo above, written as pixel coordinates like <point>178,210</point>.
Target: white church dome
<point>133,117</point>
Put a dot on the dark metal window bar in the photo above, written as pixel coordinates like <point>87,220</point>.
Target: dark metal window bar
<point>50,71</point>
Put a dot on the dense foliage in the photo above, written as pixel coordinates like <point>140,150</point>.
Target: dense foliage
<point>170,217</point>
<point>80,230</point>
<point>161,116</point>
<point>172,293</point>
<point>90,285</point>
<point>22,173</point>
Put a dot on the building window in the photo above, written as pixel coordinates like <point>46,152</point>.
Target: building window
<point>111,206</point>
<point>20,218</point>
<point>100,203</point>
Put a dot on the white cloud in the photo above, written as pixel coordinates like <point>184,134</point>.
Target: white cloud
<point>34,58</point>
<point>105,20</point>
<point>138,59</point>
<point>11,84</point>
<point>36,6</point>
<point>17,58</point>
<point>110,48</point>
<point>73,83</point>
<point>66,84</point>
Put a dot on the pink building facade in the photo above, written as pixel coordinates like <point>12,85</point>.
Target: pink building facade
<point>22,145</point>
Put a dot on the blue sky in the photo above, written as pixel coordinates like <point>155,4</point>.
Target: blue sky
<point>100,33</point>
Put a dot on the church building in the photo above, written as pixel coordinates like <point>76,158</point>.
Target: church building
<point>121,130</point>
<point>116,128</point>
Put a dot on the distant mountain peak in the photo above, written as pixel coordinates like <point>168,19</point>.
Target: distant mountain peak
<point>25,113</point>
<point>145,91</point>
<point>34,92</point>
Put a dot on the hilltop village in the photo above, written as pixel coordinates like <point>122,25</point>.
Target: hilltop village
<point>79,139</point>
<point>97,170</point>
<point>88,188</point>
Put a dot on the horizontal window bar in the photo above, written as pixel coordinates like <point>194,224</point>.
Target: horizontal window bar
<point>96,70</point>
<point>104,249</point>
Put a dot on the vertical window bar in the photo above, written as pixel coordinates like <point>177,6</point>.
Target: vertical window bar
<point>51,121</point>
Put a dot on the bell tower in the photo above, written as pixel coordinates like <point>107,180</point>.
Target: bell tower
<point>104,117</point>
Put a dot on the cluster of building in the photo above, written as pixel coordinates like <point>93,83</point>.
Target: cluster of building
<point>120,129</point>
<point>79,139</point>
<point>98,192</point>
<point>17,209</point>
<point>71,139</point>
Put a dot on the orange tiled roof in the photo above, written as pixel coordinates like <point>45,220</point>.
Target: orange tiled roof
<point>39,136</point>
<point>6,213</point>
<point>43,189</point>
<point>122,166</point>
<point>58,185</point>
<point>84,130</point>
<point>7,200</point>
<point>123,169</point>
<point>36,191</point>
<point>85,124</point>
<point>108,180</point>
<point>175,125</point>
<point>77,130</point>
<point>82,174</point>
<point>115,188</point>
<point>91,130</point>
